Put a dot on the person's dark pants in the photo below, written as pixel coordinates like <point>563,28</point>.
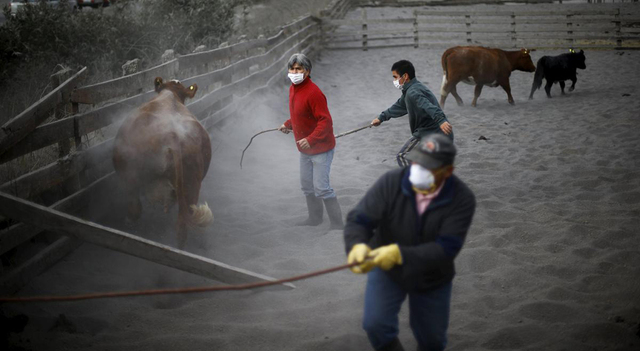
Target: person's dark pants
<point>428,312</point>
<point>410,144</point>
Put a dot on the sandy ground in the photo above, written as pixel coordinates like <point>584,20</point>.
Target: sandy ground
<point>551,262</point>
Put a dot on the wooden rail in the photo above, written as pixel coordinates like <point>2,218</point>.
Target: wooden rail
<point>566,25</point>
<point>21,125</point>
<point>59,222</point>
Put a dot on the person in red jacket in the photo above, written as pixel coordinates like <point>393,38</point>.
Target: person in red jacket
<point>312,128</point>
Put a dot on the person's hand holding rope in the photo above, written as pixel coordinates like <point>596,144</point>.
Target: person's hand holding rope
<point>385,257</point>
<point>358,254</point>
<point>284,129</point>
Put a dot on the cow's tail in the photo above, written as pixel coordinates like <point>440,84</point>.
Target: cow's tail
<point>445,74</point>
<point>194,214</point>
<point>201,215</point>
<point>537,79</point>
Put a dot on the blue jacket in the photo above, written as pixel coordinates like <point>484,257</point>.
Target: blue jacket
<point>425,115</point>
<point>429,243</point>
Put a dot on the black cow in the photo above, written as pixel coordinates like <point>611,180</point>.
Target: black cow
<point>558,69</point>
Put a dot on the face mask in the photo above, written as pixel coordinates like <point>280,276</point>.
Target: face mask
<point>396,83</point>
<point>296,78</point>
<point>421,178</point>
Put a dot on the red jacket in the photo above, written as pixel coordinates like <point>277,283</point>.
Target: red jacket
<point>310,117</point>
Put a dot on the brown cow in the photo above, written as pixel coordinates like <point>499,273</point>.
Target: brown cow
<point>163,152</point>
<point>481,66</point>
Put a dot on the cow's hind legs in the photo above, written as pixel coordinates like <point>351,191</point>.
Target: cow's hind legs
<point>449,86</point>
<point>562,87</point>
<point>547,88</point>
<point>476,94</point>
<point>454,92</point>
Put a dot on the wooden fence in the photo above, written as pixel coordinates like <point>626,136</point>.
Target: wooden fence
<point>564,26</point>
<point>226,77</point>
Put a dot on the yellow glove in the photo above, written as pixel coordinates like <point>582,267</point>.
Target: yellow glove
<point>386,257</point>
<point>358,254</point>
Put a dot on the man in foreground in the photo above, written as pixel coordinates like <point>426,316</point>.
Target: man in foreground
<point>416,218</point>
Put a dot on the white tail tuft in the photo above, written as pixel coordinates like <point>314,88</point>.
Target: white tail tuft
<point>444,81</point>
<point>201,215</point>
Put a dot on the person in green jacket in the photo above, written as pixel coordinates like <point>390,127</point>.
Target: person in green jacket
<point>425,114</point>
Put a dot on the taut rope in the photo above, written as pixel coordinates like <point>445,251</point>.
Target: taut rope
<point>176,290</point>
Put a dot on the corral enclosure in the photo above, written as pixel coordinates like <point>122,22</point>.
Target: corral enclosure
<point>232,82</point>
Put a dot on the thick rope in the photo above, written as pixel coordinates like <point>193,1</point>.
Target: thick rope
<point>175,290</point>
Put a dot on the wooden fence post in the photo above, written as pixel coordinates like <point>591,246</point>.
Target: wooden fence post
<point>618,28</point>
<point>77,138</point>
<point>467,20</point>
<point>64,147</point>
<point>514,34</point>
<point>415,29</point>
<point>364,29</point>
<point>571,40</point>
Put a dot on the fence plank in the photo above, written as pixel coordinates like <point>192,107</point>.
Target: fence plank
<point>32,184</point>
<point>117,240</point>
<point>199,106</point>
<point>20,126</point>
<point>556,12</point>
<point>196,60</point>
<point>42,136</point>
<point>93,120</point>
<point>260,78</point>
<point>131,84</point>
<point>20,232</point>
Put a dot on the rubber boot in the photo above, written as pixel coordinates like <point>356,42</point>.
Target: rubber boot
<point>334,212</point>
<point>394,345</point>
<point>314,205</point>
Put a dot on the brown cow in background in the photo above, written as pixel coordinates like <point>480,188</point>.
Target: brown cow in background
<point>163,152</point>
<point>479,66</point>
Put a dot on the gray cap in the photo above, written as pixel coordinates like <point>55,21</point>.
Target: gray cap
<point>433,151</point>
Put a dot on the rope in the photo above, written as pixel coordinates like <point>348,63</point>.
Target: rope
<point>175,290</point>
<point>353,131</point>
<point>274,129</point>
<point>250,141</point>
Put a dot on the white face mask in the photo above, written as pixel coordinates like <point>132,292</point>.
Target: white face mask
<point>397,84</point>
<point>296,78</point>
<point>421,177</point>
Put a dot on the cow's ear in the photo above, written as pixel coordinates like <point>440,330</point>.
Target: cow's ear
<point>158,84</point>
<point>582,52</point>
<point>192,90</point>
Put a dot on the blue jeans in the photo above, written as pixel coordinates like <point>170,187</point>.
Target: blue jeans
<point>314,174</point>
<point>428,312</point>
